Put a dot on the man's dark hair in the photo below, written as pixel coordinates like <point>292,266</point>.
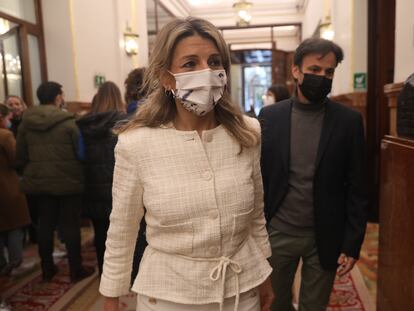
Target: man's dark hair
<point>4,110</point>
<point>47,92</point>
<point>279,91</point>
<point>317,46</point>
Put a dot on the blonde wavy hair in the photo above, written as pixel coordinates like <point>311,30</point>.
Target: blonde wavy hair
<point>108,98</point>
<point>159,108</point>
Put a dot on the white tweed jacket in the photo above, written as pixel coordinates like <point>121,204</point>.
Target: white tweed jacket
<point>204,212</point>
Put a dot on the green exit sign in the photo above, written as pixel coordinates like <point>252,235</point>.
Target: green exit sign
<point>360,81</point>
<point>99,80</point>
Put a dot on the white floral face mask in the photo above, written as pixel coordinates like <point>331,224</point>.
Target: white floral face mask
<point>199,91</point>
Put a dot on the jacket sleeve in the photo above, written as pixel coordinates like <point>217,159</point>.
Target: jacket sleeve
<point>22,154</point>
<point>259,231</point>
<point>356,205</point>
<point>9,145</point>
<point>264,171</point>
<point>77,140</point>
<point>81,154</point>
<point>127,212</point>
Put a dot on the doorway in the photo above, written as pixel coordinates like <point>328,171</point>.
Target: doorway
<point>11,78</point>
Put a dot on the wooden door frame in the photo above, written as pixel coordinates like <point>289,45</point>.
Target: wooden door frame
<point>13,31</point>
<point>381,45</point>
<point>25,29</point>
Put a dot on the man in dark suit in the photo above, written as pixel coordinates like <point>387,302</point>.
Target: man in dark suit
<point>313,178</point>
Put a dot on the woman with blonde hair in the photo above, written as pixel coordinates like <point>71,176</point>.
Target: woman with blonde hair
<point>192,159</point>
<point>98,144</point>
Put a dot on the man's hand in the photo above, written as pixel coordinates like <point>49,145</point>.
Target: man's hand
<point>111,304</point>
<point>345,263</point>
<point>266,295</point>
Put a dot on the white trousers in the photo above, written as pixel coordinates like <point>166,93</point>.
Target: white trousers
<point>249,301</point>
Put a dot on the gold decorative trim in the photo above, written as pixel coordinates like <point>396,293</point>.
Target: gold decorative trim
<point>134,27</point>
<point>351,80</point>
<point>74,56</point>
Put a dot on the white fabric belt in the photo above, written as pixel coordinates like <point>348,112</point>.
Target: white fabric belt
<point>220,271</point>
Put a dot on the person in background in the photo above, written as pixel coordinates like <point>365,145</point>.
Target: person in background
<point>313,160</point>
<point>99,144</point>
<point>275,93</point>
<point>134,97</point>
<point>17,107</point>
<point>14,215</point>
<point>192,160</point>
<point>134,93</point>
<point>47,144</point>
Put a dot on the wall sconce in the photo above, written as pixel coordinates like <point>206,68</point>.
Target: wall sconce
<point>4,26</point>
<point>242,9</point>
<point>131,42</point>
<point>326,30</point>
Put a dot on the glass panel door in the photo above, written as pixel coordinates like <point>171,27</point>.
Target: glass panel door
<point>35,67</point>
<point>23,9</point>
<point>257,79</point>
<point>10,62</point>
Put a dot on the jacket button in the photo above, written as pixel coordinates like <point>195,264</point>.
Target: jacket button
<point>208,138</point>
<point>152,301</point>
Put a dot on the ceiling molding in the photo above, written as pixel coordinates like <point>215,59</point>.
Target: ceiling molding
<point>179,8</point>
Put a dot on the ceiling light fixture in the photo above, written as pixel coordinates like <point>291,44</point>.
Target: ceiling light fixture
<point>242,9</point>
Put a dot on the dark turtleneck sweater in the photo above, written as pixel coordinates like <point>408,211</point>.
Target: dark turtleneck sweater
<point>296,215</point>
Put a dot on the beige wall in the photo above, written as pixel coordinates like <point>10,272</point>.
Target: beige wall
<point>85,38</point>
<point>236,84</point>
<point>349,20</point>
<point>404,40</point>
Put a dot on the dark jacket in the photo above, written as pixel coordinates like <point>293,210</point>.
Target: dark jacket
<point>13,208</point>
<point>338,186</point>
<point>15,126</point>
<point>99,142</point>
<point>47,143</point>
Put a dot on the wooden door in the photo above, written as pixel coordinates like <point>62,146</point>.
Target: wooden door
<point>396,240</point>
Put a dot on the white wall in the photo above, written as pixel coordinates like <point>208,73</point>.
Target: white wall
<point>311,17</point>
<point>177,7</point>
<point>85,38</point>
<point>58,39</point>
<point>287,44</point>
<point>360,42</point>
<point>349,20</point>
<point>404,40</point>
<point>236,84</point>
<point>342,20</point>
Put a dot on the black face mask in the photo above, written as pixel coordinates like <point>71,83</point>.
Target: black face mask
<point>314,87</point>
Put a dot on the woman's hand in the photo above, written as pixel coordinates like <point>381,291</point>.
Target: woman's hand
<point>111,304</point>
<point>266,295</point>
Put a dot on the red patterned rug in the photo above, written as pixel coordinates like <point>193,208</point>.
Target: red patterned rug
<point>350,294</point>
<point>27,292</point>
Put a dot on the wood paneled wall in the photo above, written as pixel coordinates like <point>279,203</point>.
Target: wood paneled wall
<point>356,101</point>
<point>396,258</point>
<point>80,108</point>
<point>392,91</point>
<point>396,216</point>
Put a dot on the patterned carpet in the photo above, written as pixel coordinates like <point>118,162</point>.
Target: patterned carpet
<point>368,261</point>
<point>353,292</point>
<point>26,291</point>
